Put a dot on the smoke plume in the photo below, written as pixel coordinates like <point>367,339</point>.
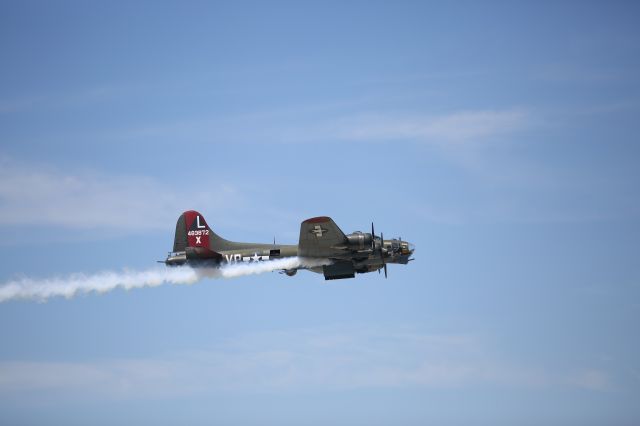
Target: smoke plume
<point>103,282</point>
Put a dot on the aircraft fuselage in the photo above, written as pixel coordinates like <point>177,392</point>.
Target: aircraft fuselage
<point>342,256</point>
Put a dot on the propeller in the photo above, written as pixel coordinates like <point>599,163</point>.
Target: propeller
<point>382,254</point>
<point>373,238</point>
<point>381,248</point>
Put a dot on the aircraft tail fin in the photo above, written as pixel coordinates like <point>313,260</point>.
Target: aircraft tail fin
<point>195,237</point>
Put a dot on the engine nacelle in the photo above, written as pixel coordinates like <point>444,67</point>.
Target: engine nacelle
<point>359,240</point>
<point>290,272</point>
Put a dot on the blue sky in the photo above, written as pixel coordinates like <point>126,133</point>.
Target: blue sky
<point>499,137</point>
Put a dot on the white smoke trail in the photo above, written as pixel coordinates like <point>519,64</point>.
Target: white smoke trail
<point>103,282</point>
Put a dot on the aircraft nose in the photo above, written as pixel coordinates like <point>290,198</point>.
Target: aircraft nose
<point>407,248</point>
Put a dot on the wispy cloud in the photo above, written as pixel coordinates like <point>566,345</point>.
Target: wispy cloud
<point>296,360</point>
<point>337,125</point>
<point>454,127</point>
<point>591,379</point>
<point>45,196</point>
<point>8,106</point>
<point>48,101</point>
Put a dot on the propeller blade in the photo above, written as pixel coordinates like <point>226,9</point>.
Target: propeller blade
<point>382,254</point>
<point>381,248</point>
<point>373,238</point>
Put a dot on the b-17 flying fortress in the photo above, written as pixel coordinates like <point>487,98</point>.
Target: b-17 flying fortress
<point>321,239</point>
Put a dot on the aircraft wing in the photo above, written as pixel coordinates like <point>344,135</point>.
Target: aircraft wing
<point>321,237</point>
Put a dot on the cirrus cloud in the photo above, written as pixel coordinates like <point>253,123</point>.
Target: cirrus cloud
<point>454,127</point>
<point>296,360</point>
<point>47,196</point>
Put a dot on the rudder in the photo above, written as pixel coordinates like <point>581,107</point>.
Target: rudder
<point>195,238</point>
<point>191,231</point>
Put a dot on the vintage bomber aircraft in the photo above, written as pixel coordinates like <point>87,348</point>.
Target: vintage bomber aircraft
<point>320,238</point>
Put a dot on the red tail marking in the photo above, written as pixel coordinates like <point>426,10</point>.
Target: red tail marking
<point>198,231</point>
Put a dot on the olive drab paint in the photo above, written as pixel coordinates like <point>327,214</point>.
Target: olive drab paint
<point>341,256</point>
